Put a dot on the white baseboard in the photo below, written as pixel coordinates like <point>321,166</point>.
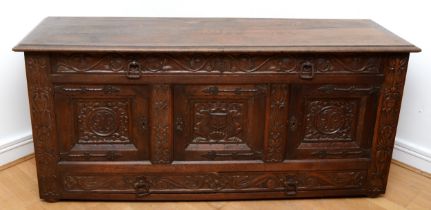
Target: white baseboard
<point>412,155</point>
<point>16,149</point>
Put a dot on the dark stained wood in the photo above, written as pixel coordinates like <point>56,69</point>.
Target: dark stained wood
<point>213,109</point>
<point>103,114</point>
<point>219,122</point>
<point>211,35</point>
<point>331,121</point>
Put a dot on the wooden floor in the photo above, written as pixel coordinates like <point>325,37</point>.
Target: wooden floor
<point>406,190</point>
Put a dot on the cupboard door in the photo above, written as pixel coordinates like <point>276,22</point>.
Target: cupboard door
<point>102,123</point>
<point>331,121</point>
<point>219,122</point>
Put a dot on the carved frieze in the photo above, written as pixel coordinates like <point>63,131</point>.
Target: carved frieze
<point>216,182</point>
<point>214,63</point>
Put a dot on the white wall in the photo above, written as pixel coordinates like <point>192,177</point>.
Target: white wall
<point>406,18</point>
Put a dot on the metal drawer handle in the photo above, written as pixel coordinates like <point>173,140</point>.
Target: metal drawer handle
<point>142,186</point>
<point>290,186</point>
<point>134,70</point>
<point>307,70</point>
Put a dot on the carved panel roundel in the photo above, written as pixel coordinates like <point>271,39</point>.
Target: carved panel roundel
<point>103,122</point>
<point>330,120</point>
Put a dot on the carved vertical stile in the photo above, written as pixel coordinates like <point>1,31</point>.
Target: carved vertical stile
<point>161,124</point>
<point>276,123</point>
<point>386,122</point>
<point>41,99</point>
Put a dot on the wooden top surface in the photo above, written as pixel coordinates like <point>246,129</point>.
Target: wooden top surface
<point>211,35</point>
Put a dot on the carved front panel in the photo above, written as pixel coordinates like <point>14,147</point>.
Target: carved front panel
<point>146,184</point>
<point>215,63</point>
<point>219,122</point>
<point>331,121</point>
<point>102,122</point>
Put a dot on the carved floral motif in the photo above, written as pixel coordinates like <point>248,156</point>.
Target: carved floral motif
<point>103,121</point>
<point>218,122</point>
<point>242,63</point>
<point>387,121</point>
<point>216,182</point>
<point>161,143</point>
<point>276,139</point>
<point>330,120</point>
<point>43,123</point>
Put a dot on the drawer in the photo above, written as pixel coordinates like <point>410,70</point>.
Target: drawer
<point>102,122</point>
<point>147,185</point>
<point>136,65</point>
<point>219,122</point>
<point>331,121</point>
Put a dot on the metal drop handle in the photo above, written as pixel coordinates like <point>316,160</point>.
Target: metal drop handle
<point>307,70</point>
<point>134,70</point>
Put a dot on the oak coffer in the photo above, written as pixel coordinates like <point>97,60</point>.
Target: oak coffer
<point>213,108</point>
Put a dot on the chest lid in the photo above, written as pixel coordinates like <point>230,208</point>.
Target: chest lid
<point>129,34</point>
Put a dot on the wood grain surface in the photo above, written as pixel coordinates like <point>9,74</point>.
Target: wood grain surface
<point>212,35</point>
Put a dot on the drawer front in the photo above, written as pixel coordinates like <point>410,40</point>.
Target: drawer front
<point>134,65</point>
<point>144,185</point>
<point>102,123</point>
<point>219,122</point>
<point>331,121</point>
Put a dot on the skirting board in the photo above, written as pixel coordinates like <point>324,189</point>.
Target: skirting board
<point>412,155</point>
<point>16,149</point>
<point>404,152</point>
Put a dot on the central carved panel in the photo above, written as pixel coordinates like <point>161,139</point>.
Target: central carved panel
<point>330,120</point>
<point>218,122</point>
<point>102,121</point>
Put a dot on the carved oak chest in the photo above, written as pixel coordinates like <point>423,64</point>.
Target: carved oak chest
<point>204,109</point>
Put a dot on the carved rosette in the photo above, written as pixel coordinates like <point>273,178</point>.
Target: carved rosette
<point>275,142</point>
<point>330,120</point>
<point>161,121</point>
<point>103,122</point>
<point>41,95</point>
<point>386,123</point>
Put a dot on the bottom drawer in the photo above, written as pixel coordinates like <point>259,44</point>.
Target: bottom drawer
<point>215,185</point>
